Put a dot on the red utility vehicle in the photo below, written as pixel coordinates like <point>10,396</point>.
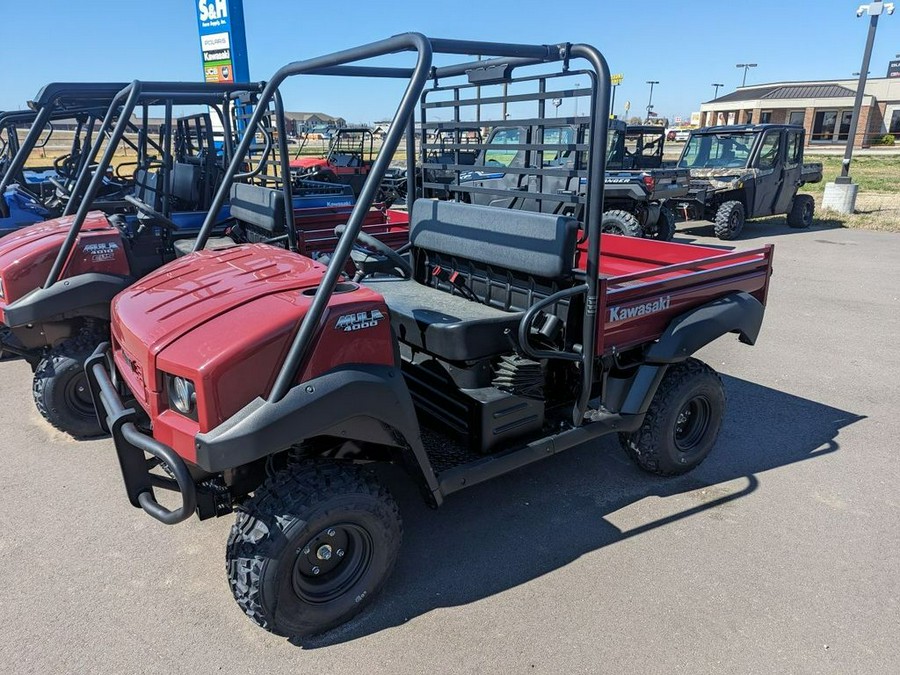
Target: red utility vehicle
<point>264,382</point>
<point>348,160</point>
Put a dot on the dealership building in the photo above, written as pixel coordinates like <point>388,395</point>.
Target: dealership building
<point>824,108</point>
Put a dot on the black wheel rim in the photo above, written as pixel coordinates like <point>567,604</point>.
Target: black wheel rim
<point>807,214</point>
<point>78,396</point>
<point>692,423</point>
<point>734,221</point>
<point>613,228</point>
<point>332,562</point>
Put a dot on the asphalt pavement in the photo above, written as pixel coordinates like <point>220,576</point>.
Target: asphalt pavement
<point>778,554</point>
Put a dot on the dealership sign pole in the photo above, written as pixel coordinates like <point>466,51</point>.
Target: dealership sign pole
<point>223,42</point>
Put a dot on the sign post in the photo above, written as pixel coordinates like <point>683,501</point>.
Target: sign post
<point>223,42</point>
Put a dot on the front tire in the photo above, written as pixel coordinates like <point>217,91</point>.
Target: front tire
<point>730,220</point>
<point>61,392</point>
<point>801,213</point>
<point>312,547</point>
<point>682,423</point>
<point>621,222</point>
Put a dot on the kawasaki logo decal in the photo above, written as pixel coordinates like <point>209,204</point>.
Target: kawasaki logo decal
<point>359,320</point>
<point>623,313</point>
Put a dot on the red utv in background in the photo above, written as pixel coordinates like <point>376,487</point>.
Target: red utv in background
<point>348,160</point>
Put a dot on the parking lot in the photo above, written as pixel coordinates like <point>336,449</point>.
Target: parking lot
<point>778,554</point>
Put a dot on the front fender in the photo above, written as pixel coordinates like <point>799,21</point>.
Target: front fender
<point>365,403</point>
<point>85,295</point>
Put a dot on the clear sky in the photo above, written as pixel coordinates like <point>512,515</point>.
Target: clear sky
<point>685,45</point>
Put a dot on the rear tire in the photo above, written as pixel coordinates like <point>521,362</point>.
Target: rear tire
<point>61,392</point>
<point>801,214</point>
<point>729,220</point>
<point>621,222</point>
<point>312,547</point>
<point>682,423</point>
<point>664,230</point>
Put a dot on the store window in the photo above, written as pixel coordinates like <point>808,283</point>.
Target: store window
<point>824,125</point>
<point>894,127</point>
<point>846,118</point>
<point>765,117</point>
<point>797,117</point>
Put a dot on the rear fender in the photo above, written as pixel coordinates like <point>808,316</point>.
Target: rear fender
<point>739,313</point>
<point>358,403</point>
<point>85,295</point>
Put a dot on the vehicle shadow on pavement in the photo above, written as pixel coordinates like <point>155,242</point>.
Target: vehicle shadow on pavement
<point>509,531</point>
<point>763,228</point>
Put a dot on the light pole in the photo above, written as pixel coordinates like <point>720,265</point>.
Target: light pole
<point>746,67</point>
<point>874,10</point>
<point>615,80</point>
<point>650,101</point>
<point>717,85</point>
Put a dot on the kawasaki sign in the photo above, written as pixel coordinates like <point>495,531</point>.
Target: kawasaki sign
<point>223,43</point>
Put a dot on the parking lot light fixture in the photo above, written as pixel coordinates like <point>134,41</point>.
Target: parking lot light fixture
<point>717,85</point>
<point>650,101</point>
<point>746,67</point>
<point>874,9</point>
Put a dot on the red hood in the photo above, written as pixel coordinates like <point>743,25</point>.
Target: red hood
<point>192,290</point>
<point>307,162</point>
<point>223,320</point>
<point>27,254</point>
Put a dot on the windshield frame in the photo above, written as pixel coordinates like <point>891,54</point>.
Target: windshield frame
<point>701,147</point>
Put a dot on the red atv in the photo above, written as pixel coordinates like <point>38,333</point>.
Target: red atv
<point>266,383</point>
<point>348,160</point>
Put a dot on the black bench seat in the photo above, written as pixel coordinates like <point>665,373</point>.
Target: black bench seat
<point>443,322</point>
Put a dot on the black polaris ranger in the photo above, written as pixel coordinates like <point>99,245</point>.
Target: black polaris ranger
<point>746,171</point>
<point>634,200</point>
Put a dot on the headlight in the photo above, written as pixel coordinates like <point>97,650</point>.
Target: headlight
<point>182,395</point>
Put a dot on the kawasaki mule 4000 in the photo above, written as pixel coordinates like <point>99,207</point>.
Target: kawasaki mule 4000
<point>266,383</point>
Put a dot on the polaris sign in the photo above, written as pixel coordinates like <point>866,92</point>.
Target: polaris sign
<point>223,44</point>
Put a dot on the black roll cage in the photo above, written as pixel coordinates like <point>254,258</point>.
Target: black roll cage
<point>499,61</point>
<point>57,100</point>
<point>120,110</point>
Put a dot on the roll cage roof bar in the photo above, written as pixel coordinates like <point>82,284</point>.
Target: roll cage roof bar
<point>501,59</point>
<point>121,109</point>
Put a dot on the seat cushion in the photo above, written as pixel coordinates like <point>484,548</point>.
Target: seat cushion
<point>448,326</point>
<point>184,246</point>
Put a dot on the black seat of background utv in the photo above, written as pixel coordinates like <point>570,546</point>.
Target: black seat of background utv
<point>453,327</point>
<point>251,205</point>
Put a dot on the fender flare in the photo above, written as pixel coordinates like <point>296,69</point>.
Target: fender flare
<point>364,402</point>
<point>739,313</point>
<point>83,295</point>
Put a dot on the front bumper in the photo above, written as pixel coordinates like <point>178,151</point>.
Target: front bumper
<point>132,446</point>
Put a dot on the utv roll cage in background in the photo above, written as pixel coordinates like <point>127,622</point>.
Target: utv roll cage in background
<point>500,61</point>
<point>55,101</point>
<point>124,102</point>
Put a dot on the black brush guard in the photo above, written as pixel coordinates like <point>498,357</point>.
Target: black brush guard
<point>132,444</point>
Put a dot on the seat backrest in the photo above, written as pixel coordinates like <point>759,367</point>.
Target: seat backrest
<point>185,180</point>
<point>533,244</point>
<point>259,208</point>
<point>146,187</point>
